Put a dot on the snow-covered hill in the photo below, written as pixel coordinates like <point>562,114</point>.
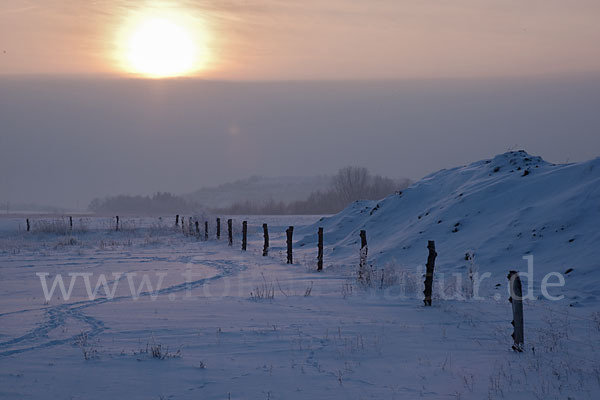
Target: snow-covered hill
<point>500,209</point>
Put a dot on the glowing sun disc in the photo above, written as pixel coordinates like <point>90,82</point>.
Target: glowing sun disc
<point>158,47</point>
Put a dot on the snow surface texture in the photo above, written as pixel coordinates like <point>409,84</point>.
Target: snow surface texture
<point>252,327</point>
<point>499,210</point>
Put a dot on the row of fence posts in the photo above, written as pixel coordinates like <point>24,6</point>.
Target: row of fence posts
<point>70,223</point>
<point>289,233</point>
<point>289,237</point>
<point>516,290</point>
<point>513,277</point>
<point>515,299</point>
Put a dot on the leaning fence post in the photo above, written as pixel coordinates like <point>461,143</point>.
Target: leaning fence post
<point>230,231</point>
<point>364,249</point>
<point>197,229</point>
<point>71,222</point>
<point>205,230</point>
<point>320,253</point>
<point>266,236</point>
<point>177,220</point>
<point>429,273</point>
<point>182,225</point>
<point>516,299</point>
<point>218,228</point>
<point>244,235</point>
<point>28,226</point>
<point>117,217</point>
<point>289,233</point>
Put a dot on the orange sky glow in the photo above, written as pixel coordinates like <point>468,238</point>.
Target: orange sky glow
<point>309,39</point>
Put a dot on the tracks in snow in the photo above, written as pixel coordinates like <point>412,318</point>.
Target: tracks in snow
<point>58,316</point>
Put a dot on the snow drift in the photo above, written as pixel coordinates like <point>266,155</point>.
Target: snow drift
<point>499,209</point>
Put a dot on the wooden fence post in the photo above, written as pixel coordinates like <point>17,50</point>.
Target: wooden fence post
<point>289,233</point>
<point>182,225</point>
<point>117,217</point>
<point>230,231</point>
<point>218,228</point>
<point>364,249</point>
<point>363,239</point>
<point>28,226</point>
<point>190,227</point>
<point>177,220</point>
<point>244,235</point>
<point>516,299</point>
<point>71,223</point>
<point>429,273</point>
<point>197,229</point>
<point>205,230</point>
<point>320,253</point>
<point>266,236</point>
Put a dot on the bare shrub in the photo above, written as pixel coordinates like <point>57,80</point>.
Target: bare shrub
<point>390,275</point>
<point>88,349</point>
<point>264,291</point>
<point>347,289</point>
<point>158,351</point>
<point>308,290</point>
<point>472,271</point>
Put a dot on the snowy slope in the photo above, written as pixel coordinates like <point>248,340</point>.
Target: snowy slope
<point>501,209</point>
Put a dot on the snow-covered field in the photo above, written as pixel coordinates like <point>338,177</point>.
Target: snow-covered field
<point>195,319</point>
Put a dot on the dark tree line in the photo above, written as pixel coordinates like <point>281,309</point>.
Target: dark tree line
<point>158,203</point>
<point>348,185</point>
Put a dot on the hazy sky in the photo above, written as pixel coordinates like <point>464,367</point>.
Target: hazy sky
<point>421,85</point>
<point>68,140</point>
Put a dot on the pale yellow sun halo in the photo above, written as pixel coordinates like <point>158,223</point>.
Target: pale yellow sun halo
<point>162,44</point>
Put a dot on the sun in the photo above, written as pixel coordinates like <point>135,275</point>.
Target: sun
<point>157,46</point>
